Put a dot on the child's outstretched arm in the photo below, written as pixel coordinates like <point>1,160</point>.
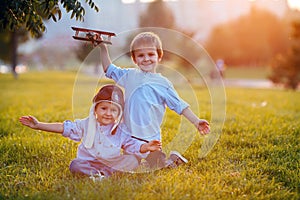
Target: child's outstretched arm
<point>104,56</point>
<point>33,123</point>
<point>201,124</point>
<point>154,145</point>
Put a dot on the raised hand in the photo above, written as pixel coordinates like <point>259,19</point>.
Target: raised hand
<point>29,121</point>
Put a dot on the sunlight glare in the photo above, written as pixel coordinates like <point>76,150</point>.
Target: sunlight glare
<point>294,4</point>
<point>146,1</point>
<point>128,1</point>
<point>142,1</point>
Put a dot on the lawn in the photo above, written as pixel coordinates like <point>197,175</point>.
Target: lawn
<point>256,157</point>
<point>247,72</point>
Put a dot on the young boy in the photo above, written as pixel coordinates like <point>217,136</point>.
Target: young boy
<point>147,93</point>
<point>103,136</point>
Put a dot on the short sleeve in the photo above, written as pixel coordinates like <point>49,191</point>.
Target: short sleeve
<point>174,102</point>
<point>115,73</point>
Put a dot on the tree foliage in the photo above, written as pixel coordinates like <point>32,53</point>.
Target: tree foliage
<point>15,14</point>
<point>27,16</point>
<point>286,67</point>
<point>252,39</point>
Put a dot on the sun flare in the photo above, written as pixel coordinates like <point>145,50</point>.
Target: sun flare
<point>294,4</point>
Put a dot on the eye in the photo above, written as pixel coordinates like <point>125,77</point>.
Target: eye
<point>103,108</point>
<point>115,111</point>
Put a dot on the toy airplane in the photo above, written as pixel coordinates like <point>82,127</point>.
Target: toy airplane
<point>94,36</point>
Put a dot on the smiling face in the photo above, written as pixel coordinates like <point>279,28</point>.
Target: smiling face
<point>106,113</point>
<point>146,51</point>
<point>146,58</point>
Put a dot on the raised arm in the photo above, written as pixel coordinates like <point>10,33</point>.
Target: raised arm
<point>104,56</point>
<point>33,123</point>
<point>201,124</point>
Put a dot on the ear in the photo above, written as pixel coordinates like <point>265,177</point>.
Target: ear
<point>95,111</point>
<point>133,59</point>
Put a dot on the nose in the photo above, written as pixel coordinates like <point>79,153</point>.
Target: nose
<point>146,57</point>
<point>108,111</point>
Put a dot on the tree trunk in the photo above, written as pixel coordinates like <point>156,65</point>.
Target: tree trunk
<point>14,55</point>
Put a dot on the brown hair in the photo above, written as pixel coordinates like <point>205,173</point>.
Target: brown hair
<point>146,38</point>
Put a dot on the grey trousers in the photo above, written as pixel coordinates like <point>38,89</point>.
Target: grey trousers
<point>123,163</point>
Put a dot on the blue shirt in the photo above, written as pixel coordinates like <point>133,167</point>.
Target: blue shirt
<point>146,97</point>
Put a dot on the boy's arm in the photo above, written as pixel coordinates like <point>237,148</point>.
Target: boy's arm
<point>104,56</point>
<point>33,123</point>
<point>201,124</point>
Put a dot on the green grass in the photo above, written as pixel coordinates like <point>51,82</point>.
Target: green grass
<point>247,72</point>
<point>256,157</point>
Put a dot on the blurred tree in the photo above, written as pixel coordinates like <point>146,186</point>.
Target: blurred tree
<point>8,44</point>
<point>86,52</point>
<point>286,67</point>
<point>4,44</point>
<point>158,14</point>
<point>252,39</point>
<point>16,15</point>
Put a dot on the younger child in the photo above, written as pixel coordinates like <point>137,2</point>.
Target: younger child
<point>147,93</point>
<point>103,136</point>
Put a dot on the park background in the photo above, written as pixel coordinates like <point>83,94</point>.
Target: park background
<point>257,154</point>
<point>257,32</point>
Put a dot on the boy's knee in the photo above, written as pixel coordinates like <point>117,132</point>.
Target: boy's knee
<point>134,160</point>
<point>156,159</point>
<point>75,166</point>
